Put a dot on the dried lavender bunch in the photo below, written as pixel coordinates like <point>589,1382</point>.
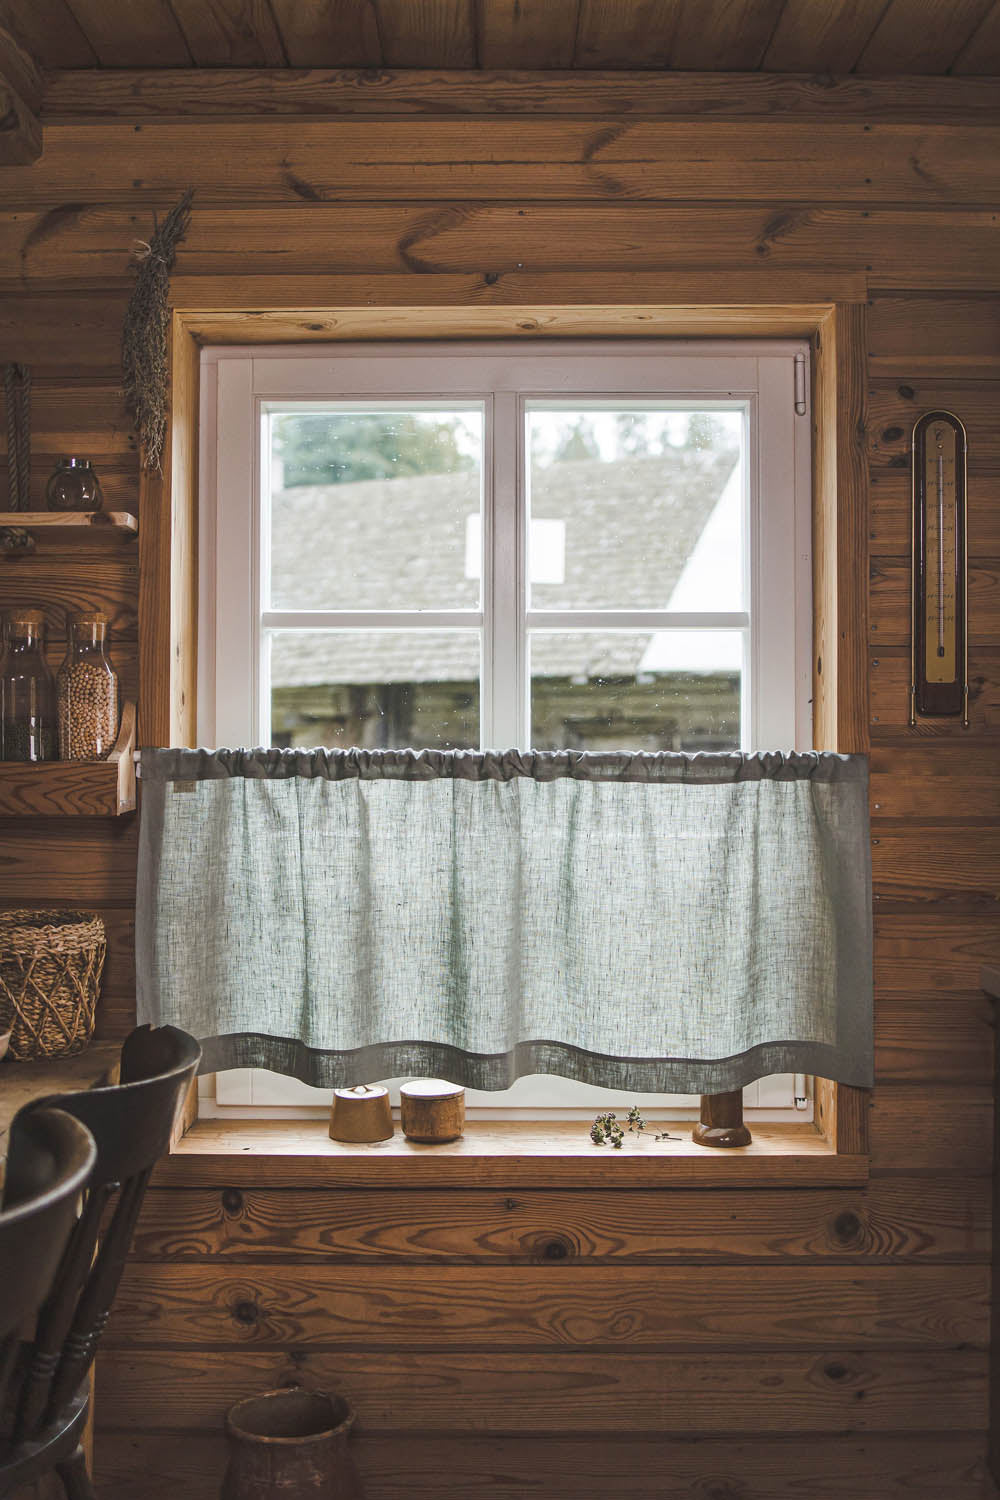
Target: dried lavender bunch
<point>144,332</point>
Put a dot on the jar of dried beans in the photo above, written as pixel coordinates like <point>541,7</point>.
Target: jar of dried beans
<point>27,692</point>
<point>87,689</point>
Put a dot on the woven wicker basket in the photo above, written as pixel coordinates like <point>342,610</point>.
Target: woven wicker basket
<point>50,976</point>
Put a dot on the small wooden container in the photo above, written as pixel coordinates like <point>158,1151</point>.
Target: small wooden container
<point>361,1114</point>
<point>432,1111</point>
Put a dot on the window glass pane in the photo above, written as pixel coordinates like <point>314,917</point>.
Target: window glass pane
<point>371,509</point>
<point>636,690</point>
<point>635,507</point>
<point>377,689</point>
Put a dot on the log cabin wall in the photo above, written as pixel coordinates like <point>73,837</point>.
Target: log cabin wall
<point>732,1344</point>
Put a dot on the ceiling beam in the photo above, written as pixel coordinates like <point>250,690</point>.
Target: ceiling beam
<point>319,93</point>
<point>21,91</point>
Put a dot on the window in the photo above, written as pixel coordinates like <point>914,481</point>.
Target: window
<point>583,545</point>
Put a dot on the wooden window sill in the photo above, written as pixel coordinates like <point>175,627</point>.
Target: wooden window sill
<point>299,1153</point>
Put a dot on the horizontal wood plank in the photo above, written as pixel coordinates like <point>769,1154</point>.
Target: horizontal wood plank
<point>952,867</point>
<point>165,93</point>
<point>411,1467</point>
<point>948,1221</point>
<point>917,1128</point>
<point>906,1391</point>
<point>936,780</point>
<point>935,1040</point>
<point>935,337</point>
<point>87,243</point>
<point>463,1307</point>
<point>935,955</point>
<point>294,160</point>
<point>62,860</point>
<point>65,336</point>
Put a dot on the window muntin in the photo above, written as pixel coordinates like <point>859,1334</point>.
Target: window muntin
<point>711,651</point>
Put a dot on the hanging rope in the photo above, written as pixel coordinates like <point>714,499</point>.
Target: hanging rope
<point>17,400</point>
<point>144,333</point>
<point>24,451</point>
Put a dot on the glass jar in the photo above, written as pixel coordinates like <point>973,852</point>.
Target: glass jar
<point>74,485</point>
<point>27,692</point>
<point>87,690</point>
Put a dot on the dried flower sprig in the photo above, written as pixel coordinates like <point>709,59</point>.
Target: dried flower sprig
<point>606,1128</point>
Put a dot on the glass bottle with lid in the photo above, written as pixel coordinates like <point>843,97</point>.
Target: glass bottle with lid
<point>87,690</point>
<point>74,486</point>
<point>27,692</point>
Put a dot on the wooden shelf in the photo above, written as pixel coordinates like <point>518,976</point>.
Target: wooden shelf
<point>107,528</point>
<point>73,788</point>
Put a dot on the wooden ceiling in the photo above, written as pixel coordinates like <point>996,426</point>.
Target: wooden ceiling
<point>872,37</point>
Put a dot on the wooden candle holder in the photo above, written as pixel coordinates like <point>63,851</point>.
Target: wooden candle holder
<point>431,1110</point>
<point>361,1114</point>
<point>722,1121</point>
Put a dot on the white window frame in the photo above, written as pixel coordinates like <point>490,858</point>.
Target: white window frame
<point>768,378</point>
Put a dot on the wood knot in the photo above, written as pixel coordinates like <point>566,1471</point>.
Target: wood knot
<point>907,392</point>
<point>232,1201</point>
<point>835,1372</point>
<point>847,1226</point>
<point>491,277</point>
<point>892,434</point>
<point>247,1313</point>
<point>555,1249</point>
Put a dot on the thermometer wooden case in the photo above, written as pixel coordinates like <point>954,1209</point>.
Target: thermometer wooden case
<point>939,651</point>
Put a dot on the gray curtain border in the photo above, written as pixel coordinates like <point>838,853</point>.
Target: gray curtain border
<point>494,1072</point>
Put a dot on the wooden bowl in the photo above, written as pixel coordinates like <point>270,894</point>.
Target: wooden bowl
<point>432,1111</point>
<point>361,1114</point>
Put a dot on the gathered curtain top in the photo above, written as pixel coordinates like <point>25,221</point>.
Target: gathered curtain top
<point>695,768</point>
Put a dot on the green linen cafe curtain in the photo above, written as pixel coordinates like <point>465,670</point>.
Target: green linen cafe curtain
<point>647,922</point>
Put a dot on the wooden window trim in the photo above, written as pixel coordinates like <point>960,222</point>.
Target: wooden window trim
<point>291,309</point>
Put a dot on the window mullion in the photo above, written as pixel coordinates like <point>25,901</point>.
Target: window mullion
<point>503,655</point>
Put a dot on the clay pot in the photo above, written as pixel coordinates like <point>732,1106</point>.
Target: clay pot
<point>290,1445</point>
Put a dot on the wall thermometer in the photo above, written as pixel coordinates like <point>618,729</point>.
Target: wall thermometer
<point>939,654</point>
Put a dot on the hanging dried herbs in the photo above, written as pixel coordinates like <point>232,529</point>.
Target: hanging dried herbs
<point>144,334</point>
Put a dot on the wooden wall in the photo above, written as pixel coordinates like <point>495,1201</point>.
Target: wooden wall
<point>711,1345</point>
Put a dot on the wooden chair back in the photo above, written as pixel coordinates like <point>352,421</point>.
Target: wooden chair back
<point>49,1160</point>
<point>131,1123</point>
